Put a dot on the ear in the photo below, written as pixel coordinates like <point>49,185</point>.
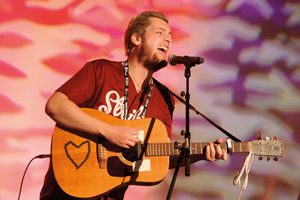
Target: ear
<point>135,39</point>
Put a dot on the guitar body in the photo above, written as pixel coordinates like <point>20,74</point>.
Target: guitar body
<point>87,166</point>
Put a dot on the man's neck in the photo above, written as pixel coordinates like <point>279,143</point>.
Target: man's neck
<point>139,73</point>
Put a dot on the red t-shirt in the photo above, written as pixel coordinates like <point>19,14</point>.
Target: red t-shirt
<point>100,85</point>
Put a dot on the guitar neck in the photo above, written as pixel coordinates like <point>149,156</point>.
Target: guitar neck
<point>168,149</point>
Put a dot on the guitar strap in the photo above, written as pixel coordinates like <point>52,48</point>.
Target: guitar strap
<point>126,90</point>
<point>198,113</point>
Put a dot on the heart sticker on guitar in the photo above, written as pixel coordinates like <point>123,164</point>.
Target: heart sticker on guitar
<point>78,154</point>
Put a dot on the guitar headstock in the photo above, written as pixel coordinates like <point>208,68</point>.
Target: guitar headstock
<point>267,148</point>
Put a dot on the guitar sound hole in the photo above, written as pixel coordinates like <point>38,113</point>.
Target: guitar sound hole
<point>131,154</point>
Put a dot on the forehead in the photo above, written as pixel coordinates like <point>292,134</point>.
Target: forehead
<point>157,23</point>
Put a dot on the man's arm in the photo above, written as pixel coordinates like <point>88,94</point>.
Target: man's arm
<point>67,113</point>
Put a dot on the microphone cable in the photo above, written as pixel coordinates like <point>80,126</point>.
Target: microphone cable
<point>39,156</point>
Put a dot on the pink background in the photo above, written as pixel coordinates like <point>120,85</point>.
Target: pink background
<point>250,80</point>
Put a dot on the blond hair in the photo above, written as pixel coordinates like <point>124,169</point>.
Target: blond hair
<point>138,25</point>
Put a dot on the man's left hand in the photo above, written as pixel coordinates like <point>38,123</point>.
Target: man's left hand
<point>214,152</point>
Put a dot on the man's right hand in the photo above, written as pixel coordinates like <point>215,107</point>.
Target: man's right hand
<point>122,136</point>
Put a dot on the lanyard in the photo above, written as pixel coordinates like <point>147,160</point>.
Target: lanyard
<point>126,72</point>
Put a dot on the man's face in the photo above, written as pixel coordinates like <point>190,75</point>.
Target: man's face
<point>155,45</point>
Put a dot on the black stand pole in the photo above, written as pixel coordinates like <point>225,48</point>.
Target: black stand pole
<point>176,171</point>
<point>187,134</point>
<point>185,150</point>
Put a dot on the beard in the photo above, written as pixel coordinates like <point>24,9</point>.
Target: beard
<point>149,59</point>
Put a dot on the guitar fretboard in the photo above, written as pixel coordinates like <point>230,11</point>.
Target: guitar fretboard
<point>168,149</point>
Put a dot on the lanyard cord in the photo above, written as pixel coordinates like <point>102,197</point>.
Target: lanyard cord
<point>126,92</point>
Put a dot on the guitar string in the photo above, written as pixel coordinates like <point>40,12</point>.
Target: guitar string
<point>165,147</point>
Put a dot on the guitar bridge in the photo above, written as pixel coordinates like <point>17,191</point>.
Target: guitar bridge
<point>101,152</point>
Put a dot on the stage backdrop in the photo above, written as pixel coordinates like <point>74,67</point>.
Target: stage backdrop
<point>249,84</point>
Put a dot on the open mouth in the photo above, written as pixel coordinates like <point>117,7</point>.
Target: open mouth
<point>163,49</point>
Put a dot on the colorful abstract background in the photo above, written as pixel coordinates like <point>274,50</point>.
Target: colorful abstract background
<point>249,84</point>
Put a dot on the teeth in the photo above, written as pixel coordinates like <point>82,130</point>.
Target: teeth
<point>163,48</point>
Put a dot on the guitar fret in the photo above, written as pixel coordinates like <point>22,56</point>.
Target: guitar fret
<point>153,147</point>
<point>200,148</point>
<point>193,150</point>
<point>167,144</point>
<point>194,147</point>
<point>238,147</point>
<point>146,150</point>
<point>159,149</point>
<point>152,150</point>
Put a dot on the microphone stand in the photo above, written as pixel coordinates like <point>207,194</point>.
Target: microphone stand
<point>185,150</point>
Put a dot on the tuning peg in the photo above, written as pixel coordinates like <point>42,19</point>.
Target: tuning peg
<point>259,158</point>
<point>268,158</point>
<point>275,159</point>
<point>267,138</point>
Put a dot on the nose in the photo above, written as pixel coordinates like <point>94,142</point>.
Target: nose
<point>168,38</point>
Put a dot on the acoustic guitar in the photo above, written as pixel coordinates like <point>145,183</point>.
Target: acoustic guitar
<point>87,166</point>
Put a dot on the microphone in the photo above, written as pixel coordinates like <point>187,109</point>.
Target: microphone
<point>174,60</point>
